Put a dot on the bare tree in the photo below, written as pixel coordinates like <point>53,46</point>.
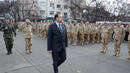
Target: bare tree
<point>75,7</point>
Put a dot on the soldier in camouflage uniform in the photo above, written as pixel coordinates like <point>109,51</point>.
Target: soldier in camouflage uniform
<point>28,36</point>
<point>96,32</point>
<point>118,32</point>
<point>34,27</point>
<point>111,31</point>
<point>93,33</point>
<point>99,33</point>
<point>123,36</point>
<point>9,32</point>
<point>68,27</point>
<point>105,37</point>
<point>128,29</point>
<point>87,33</point>
<point>74,33</point>
<point>43,29</point>
<point>47,25</point>
<point>81,33</point>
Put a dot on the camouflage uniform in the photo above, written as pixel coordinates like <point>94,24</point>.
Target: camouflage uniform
<point>43,30</point>
<point>87,33</point>
<point>69,26</point>
<point>99,33</point>
<point>81,33</point>
<point>128,29</point>
<point>74,33</point>
<point>118,32</point>
<point>105,37</point>
<point>34,28</point>
<point>93,33</point>
<point>110,32</point>
<point>47,26</point>
<point>28,37</point>
<point>96,33</point>
<point>123,36</point>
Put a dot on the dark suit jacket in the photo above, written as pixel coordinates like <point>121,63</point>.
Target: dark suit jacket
<point>57,41</point>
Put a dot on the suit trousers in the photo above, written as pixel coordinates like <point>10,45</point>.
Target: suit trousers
<point>58,59</point>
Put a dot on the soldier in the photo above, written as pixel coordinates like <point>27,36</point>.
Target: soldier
<point>99,33</point>
<point>118,32</point>
<point>68,27</point>
<point>74,33</point>
<point>20,26</point>
<point>28,36</point>
<point>96,33</point>
<point>34,27</point>
<point>15,24</point>
<point>123,36</point>
<point>47,26</point>
<point>40,28</point>
<point>43,29</point>
<point>87,33</point>
<point>111,31</point>
<point>9,32</point>
<point>105,37</point>
<point>128,29</point>
<point>81,33</point>
<point>93,33</point>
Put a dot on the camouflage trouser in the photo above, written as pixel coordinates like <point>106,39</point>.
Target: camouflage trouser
<point>129,47</point>
<point>123,37</point>
<point>28,44</point>
<point>99,37</point>
<point>74,36</point>
<point>117,44</point>
<point>105,44</point>
<point>96,37</point>
<point>43,33</point>
<point>93,36</point>
<point>81,38</point>
<point>46,33</point>
<point>87,38</point>
<point>37,31</point>
<point>33,31</point>
<point>69,37</point>
<point>9,43</point>
<point>110,36</point>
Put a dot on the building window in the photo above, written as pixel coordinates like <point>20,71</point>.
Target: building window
<point>65,7</point>
<point>65,15</point>
<point>58,5</point>
<point>42,3</point>
<point>52,5</point>
<point>51,12</point>
<point>59,12</point>
<point>42,12</point>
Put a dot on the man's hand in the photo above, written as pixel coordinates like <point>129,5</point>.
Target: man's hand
<point>50,52</point>
<point>6,28</point>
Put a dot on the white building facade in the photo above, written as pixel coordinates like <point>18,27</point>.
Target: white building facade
<point>48,8</point>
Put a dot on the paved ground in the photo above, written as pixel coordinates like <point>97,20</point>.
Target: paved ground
<point>81,59</point>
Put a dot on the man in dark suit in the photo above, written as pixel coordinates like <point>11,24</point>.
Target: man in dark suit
<point>57,42</point>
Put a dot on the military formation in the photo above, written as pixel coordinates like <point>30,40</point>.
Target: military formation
<point>79,33</point>
<point>83,33</point>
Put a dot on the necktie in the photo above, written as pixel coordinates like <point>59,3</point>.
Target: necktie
<point>60,27</point>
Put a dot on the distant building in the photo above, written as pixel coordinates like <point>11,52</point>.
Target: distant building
<point>48,8</point>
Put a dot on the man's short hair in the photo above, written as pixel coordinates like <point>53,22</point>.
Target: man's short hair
<point>56,15</point>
